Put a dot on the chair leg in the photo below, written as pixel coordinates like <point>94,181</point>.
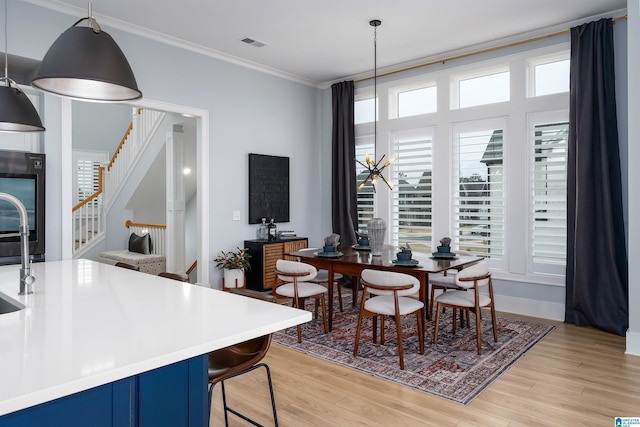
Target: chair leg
<point>478,332</point>
<point>324,315</point>
<point>399,332</point>
<point>374,323</point>
<point>420,319</point>
<point>228,409</point>
<point>493,321</point>
<point>436,324</point>
<point>381,329</point>
<point>296,303</point>
<point>358,328</point>
<point>224,404</point>
<point>455,320</point>
<point>432,301</point>
<point>339,295</point>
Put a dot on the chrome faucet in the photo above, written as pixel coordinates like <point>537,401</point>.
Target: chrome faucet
<point>26,279</point>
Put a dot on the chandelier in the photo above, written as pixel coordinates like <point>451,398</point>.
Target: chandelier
<point>373,168</point>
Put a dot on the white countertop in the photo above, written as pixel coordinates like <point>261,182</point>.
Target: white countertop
<point>88,324</point>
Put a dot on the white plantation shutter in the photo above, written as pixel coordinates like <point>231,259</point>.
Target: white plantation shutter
<point>411,198</point>
<point>479,214</point>
<point>548,209</point>
<point>86,173</point>
<point>365,195</point>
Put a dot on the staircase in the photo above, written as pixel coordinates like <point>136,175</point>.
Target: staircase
<point>89,214</point>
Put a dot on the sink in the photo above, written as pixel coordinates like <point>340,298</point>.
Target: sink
<point>8,304</point>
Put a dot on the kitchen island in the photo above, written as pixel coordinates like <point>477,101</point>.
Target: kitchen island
<point>100,345</point>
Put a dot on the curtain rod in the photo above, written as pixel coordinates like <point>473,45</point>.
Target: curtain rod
<point>492,49</point>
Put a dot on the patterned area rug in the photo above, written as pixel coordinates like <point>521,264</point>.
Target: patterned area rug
<point>451,369</point>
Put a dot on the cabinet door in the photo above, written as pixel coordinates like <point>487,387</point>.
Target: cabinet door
<point>293,246</point>
<point>270,254</point>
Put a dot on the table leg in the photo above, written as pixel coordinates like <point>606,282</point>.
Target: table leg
<point>424,295</point>
<point>330,304</point>
<point>355,283</point>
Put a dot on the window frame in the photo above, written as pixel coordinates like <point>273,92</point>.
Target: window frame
<point>533,62</point>
<point>515,266</point>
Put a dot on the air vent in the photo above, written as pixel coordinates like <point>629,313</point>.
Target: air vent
<point>253,42</point>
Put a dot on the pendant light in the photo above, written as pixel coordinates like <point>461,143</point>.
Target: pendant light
<point>373,168</point>
<point>17,113</point>
<point>85,63</point>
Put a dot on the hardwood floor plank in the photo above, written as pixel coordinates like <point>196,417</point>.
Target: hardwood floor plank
<point>574,376</point>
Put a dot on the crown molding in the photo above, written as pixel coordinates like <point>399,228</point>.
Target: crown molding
<point>120,25</point>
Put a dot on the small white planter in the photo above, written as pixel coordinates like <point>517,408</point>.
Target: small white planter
<point>233,278</point>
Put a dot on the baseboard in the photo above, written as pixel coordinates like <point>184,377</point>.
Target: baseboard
<point>633,343</point>
<point>528,307</point>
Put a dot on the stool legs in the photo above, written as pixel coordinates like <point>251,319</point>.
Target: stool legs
<point>228,409</point>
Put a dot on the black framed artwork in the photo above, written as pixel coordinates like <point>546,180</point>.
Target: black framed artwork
<point>268,188</point>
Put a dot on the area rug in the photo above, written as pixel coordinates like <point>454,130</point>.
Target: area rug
<point>451,369</point>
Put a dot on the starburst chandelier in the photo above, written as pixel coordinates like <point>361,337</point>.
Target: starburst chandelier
<point>373,168</point>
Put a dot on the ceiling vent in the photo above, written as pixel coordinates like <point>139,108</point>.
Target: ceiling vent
<point>252,42</point>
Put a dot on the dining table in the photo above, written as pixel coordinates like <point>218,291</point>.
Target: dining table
<point>351,260</point>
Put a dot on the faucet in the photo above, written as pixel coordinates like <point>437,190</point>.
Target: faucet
<point>26,279</point>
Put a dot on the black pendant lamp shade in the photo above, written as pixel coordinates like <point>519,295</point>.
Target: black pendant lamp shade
<point>17,113</point>
<point>85,63</point>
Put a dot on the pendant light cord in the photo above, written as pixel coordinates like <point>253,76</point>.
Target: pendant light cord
<point>375,23</point>
<point>6,48</point>
<point>375,86</point>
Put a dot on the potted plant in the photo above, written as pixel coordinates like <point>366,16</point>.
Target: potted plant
<point>233,265</point>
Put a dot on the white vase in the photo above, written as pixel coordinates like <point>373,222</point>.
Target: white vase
<point>376,229</point>
<point>234,278</point>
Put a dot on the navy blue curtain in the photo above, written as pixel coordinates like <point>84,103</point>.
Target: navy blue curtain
<point>596,276</point>
<point>344,211</point>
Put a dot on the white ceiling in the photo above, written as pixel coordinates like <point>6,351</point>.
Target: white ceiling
<point>322,41</point>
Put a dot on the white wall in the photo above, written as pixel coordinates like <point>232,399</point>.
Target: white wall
<point>99,127</point>
<point>249,112</point>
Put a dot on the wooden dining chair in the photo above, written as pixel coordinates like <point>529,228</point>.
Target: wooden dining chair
<point>296,277</point>
<point>390,297</point>
<point>445,281</point>
<point>471,279</point>
<point>322,278</point>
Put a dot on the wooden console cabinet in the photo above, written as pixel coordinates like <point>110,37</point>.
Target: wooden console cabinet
<point>264,254</point>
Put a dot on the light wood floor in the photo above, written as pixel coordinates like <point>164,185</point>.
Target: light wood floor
<point>574,376</point>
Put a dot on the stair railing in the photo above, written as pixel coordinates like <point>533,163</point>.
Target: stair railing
<point>88,221</point>
<point>156,233</point>
<point>143,125</point>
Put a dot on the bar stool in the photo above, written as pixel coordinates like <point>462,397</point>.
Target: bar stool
<point>239,359</point>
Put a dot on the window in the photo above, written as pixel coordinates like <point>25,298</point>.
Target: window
<point>417,101</point>
<point>85,180</point>
<point>478,198</point>
<point>364,145</point>
<point>548,208</point>
<point>364,110</point>
<point>550,75</point>
<point>482,89</point>
<point>412,195</point>
<point>484,165</point>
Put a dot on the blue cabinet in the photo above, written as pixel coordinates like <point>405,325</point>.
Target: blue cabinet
<point>174,395</point>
